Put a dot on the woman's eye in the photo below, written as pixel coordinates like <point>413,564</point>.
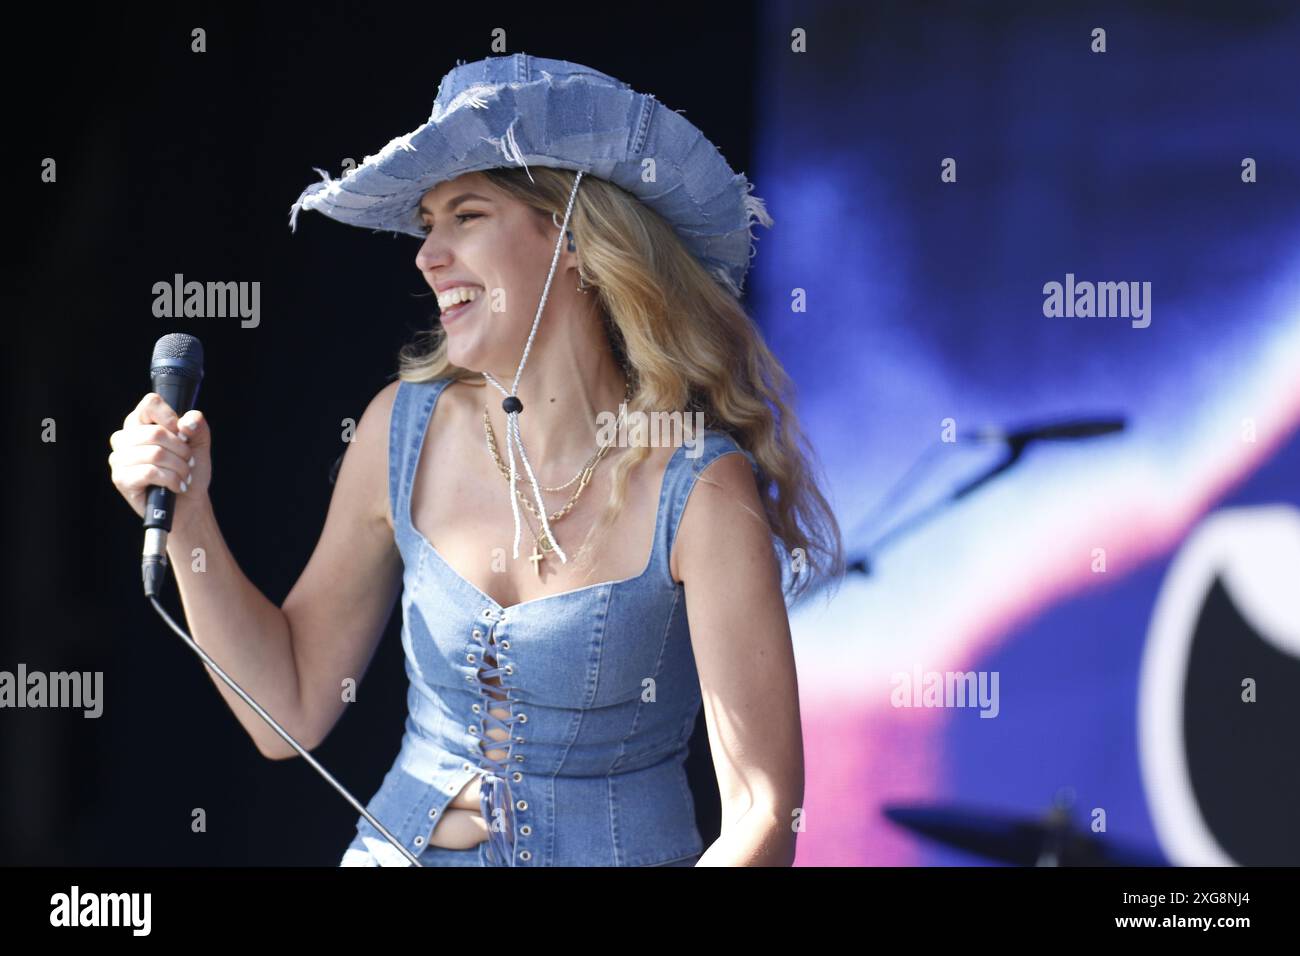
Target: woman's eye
<point>461,215</point>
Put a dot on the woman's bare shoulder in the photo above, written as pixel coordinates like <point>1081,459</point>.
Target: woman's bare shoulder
<point>370,444</point>
<point>456,403</point>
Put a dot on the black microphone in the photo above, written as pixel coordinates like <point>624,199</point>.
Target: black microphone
<point>175,371</point>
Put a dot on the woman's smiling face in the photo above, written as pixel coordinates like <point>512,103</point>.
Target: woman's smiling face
<point>480,239</point>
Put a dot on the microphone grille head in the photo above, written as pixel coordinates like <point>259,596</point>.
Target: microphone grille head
<point>178,350</point>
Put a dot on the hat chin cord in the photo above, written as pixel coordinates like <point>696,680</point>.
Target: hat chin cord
<point>513,406</point>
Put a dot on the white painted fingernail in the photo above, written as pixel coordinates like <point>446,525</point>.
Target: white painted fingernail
<point>191,461</point>
<point>184,486</point>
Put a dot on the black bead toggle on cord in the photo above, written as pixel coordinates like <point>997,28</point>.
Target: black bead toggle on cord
<point>512,404</point>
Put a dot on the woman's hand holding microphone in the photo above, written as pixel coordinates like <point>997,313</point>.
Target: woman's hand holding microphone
<point>155,446</point>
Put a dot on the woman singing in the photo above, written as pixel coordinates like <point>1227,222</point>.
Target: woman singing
<point>585,485</point>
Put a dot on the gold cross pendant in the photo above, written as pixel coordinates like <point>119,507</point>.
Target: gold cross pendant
<point>541,547</point>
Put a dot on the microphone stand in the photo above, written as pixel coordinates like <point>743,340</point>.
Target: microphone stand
<point>1016,441</point>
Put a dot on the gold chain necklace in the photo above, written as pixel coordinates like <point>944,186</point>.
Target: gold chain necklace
<point>585,474</point>
<point>590,464</point>
<point>542,546</point>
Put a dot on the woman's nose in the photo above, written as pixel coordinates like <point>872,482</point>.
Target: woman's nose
<point>432,254</point>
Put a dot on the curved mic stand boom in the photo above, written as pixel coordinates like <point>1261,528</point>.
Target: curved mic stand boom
<point>1014,440</point>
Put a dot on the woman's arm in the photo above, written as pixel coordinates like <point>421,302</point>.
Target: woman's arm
<point>740,634</point>
<point>292,659</point>
<point>340,605</point>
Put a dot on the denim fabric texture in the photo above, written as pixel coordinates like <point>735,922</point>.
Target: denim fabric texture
<point>593,773</point>
<point>523,110</point>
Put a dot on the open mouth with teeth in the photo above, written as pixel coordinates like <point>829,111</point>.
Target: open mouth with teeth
<point>455,302</point>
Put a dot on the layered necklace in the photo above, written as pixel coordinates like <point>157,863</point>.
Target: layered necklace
<point>543,545</point>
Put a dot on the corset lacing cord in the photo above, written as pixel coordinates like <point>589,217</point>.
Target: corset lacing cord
<point>494,787</point>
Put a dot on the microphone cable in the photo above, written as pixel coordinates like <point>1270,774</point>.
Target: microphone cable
<point>281,731</point>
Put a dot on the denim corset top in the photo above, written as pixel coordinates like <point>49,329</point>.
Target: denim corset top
<point>599,682</point>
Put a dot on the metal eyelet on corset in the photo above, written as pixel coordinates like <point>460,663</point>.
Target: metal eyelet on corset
<point>516,776</point>
<point>467,766</point>
<point>477,632</point>
<point>474,707</point>
<point>419,841</point>
<point>519,758</point>
<point>519,740</point>
<point>510,670</point>
<point>433,813</point>
<point>470,658</point>
<point>521,804</point>
<point>525,830</point>
<point>472,729</point>
<point>523,718</point>
<point>525,855</point>
<point>505,645</point>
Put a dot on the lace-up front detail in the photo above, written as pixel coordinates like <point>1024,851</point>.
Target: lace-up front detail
<point>498,730</point>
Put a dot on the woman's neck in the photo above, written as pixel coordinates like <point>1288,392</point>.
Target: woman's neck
<point>565,386</point>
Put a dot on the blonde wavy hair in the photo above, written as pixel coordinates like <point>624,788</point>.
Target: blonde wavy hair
<point>685,344</point>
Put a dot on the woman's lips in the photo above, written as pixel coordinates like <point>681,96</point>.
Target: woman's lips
<point>457,310</point>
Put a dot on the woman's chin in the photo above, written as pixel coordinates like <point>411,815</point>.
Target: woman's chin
<point>470,347</point>
<point>464,352</point>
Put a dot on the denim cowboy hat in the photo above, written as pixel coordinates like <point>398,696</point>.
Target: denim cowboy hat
<point>526,110</point>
